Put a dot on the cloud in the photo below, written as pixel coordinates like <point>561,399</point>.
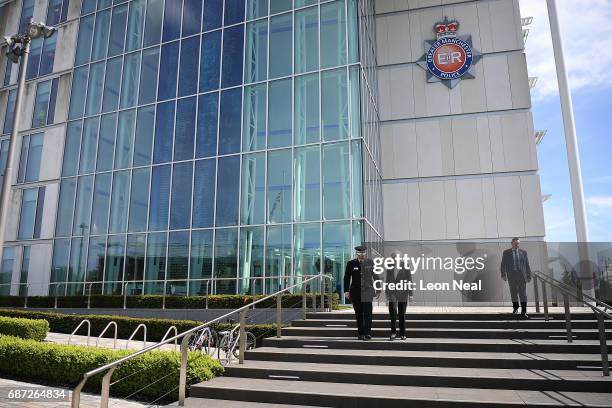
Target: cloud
<point>600,202</point>
<point>587,37</point>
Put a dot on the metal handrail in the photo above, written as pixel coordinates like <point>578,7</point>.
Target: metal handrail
<point>175,334</point>
<point>186,335</point>
<point>78,327</point>
<point>144,339</point>
<point>111,323</point>
<point>580,296</point>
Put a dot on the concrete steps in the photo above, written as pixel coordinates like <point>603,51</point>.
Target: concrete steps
<point>448,360</point>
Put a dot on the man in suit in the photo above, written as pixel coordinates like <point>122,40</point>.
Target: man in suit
<point>359,281</point>
<point>398,299</point>
<point>516,271</point>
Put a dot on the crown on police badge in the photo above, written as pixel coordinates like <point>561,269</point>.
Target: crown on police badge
<point>446,28</point>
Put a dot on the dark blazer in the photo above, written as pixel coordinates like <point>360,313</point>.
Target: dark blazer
<point>358,275</point>
<point>396,276</point>
<point>507,265</point>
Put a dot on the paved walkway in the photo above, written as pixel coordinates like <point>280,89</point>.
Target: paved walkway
<point>104,342</point>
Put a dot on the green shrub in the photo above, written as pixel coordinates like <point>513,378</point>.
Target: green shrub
<point>24,328</point>
<point>64,365</point>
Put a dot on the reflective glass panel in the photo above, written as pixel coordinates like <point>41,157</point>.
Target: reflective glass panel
<point>119,201</point>
<point>155,263</point>
<point>210,61</point>
<point>153,24</point>
<point>192,17</point>
<point>94,89</point>
<point>280,45</point>
<point>233,43</point>
<point>188,75</point>
<point>278,255</point>
<point>307,175</point>
<point>307,249</point>
<point>27,213</point>
<point>334,100</point>
<point>229,125</point>
<point>106,142</point>
<point>101,202</point>
<point>226,263</point>
<point>89,141</point>
<point>144,136</point>
<point>164,129</point>
<point>251,260</point>
<point>253,189</point>
<point>115,260</point>
<point>172,20</point>
<point>254,130</point>
<point>279,113</point>
<point>125,139</point>
<point>168,71</point>
<point>213,14</point>
<point>117,34</point>
<point>100,36</point>
<point>135,30</point>
<point>228,187</point>
<point>180,210</point>
<point>139,200</point>
<point>307,40</point>
<point>201,261</point>
<point>83,51</point>
<point>204,193</point>
<point>206,137</point>
<point>185,128</point>
<point>234,12</point>
<point>135,258</point>
<point>77,97</point>
<point>279,186</point>
<point>112,82</point>
<point>307,113</point>
<point>82,210</point>
<point>129,87</point>
<point>65,207</point>
<point>256,64</point>
<point>160,196</point>
<point>333,34</point>
<point>148,75</point>
<point>336,181</point>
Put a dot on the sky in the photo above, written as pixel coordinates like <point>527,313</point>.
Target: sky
<point>586,30</point>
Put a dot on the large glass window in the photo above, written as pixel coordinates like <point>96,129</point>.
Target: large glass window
<point>129,86</point>
<point>72,147</point>
<point>65,207</point>
<point>25,269</point>
<point>89,140</point>
<point>251,260</point>
<point>228,187</point>
<point>254,130</point>
<point>334,100</point>
<point>57,11</point>
<point>10,112</point>
<point>201,262</point>
<point>279,113</point>
<point>279,186</point>
<point>234,12</point>
<point>188,76</point>
<point>180,212</point>
<point>337,249</point>
<point>253,189</point>
<point>30,216</point>
<point>95,86</point>
<point>229,121</point>
<point>148,76</point>
<point>210,60</point>
<point>101,203</point>
<point>78,265</point>
<point>280,45</point>
<point>226,262</point>
<point>307,113</point>
<point>336,181</point>
<point>178,262</point>
<point>153,22</point>
<point>144,136</point>
<point>357,178</point>
<point>256,8</point>
<point>160,198</point>
<point>100,36</point>
<point>119,201</point>
<point>95,262</point>
<point>115,260</point>
<point>233,42</point>
<point>192,17</point>
<point>135,258</point>
<point>333,34</point>
<point>31,154</point>
<point>82,210</point>
<point>278,255</point>
<point>204,193</point>
<point>106,142</point>
<point>206,136</point>
<point>27,11</point>
<point>135,25</point>
<point>44,104</point>
<point>155,263</point>
<point>139,200</point>
<point>48,55</point>
<point>278,6</point>
<point>307,174</point>
<point>125,139</point>
<point>213,14</point>
<point>168,71</point>
<point>172,20</point>
<point>117,34</point>
<point>3,155</point>
<point>79,88</point>
<point>164,129</point>
<point>185,128</point>
<point>307,249</point>
<point>86,28</point>
<point>256,64</point>
<point>307,40</point>
<point>112,81</point>
<point>59,265</point>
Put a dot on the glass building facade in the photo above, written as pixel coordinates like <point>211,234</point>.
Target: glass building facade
<point>216,146</point>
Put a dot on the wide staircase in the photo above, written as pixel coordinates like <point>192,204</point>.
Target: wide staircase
<point>448,360</point>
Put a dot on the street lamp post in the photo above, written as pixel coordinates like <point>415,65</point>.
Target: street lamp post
<point>19,50</point>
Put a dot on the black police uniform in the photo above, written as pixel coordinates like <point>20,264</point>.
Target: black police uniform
<point>358,277</point>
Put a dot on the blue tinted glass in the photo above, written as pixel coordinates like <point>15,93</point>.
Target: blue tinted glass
<point>32,170</point>
<point>134,259</point>
<point>185,128</point>
<point>125,139</point>
<point>160,196</point>
<point>280,45</point>
<point>139,200</point>
<point>144,136</point>
<point>79,88</point>
<point>204,193</point>
<point>119,201</point>
<point>164,124</point>
<point>89,141</point>
<point>234,12</point>
<point>117,34</point>
<point>334,104</point>
<point>83,51</point>
<point>65,207</point>
<point>206,144</point>
<point>153,22</point>
<point>156,262</point>
<point>41,103</point>
<point>101,33</point>
<point>88,6</point>
<point>213,14</point>
<point>277,6</point>
<point>101,202</point>
<point>229,126</point>
<point>192,17</point>
<point>76,270</point>
<point>201,261</point>
<point>257,8</point>
<point>48,55</point>
<point>172,20</point>
<point>148,75</point>
<point>106,142</point>
<point>113,273</point>
<point>168,70</point>
<point>52,101</point>
<point>180,208</point>
<point>178,260</point>
<point>129,86</point>
<point>10,111</point>
<point>279,185</point>
<point>228,186</point>
<point>233,42</point>
<point>135,24</point>
<point>27,213</point>
<point>94,89</point>
<point>226,262</point>
<point>59,265</point>
<point>279,113</point>
<point>82,206</point>
<point>104,4</point>
<point>256,65</point>
<point>34,59</point>
<point>72,148</point>
<point>95,262</point>
<point>188,77</point>
<point>210,57</point>
<point>112,82</point>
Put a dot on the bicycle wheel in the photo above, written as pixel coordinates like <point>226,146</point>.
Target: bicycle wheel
<point>249,344</point>
<point>223,353</point>
<point>212,341</point>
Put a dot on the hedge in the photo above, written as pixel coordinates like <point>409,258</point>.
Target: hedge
<point>24,328</point>
<point>64,365</point>
<point>155,301</point>
<point>156,328</point>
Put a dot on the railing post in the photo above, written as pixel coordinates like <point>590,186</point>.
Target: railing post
<point>75,400</point>
<point>25,301</point>
<point>124,295</point>
<point>164,298</point>
<point>314,298</point>
<point>241,337</point>
<point>603,343</point>
<point>207,292</point>
<point>89,298</point>
<point>105,391</point>
<point>568,317</point>
<point>331,290</point>
<point>545,300</point>
<point>322,287</point>
<point>303,298</point>
<point>279,314</point>
<point>536,294</point>
<point>56,292</point>
<point>183,372</point>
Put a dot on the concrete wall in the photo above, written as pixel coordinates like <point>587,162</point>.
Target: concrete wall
<point>457,163</point>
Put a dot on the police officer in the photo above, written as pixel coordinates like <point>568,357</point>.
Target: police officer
<point>359,278</point>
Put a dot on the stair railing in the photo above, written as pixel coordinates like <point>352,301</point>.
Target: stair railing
<point>111,323</point>
<point>597,306</point>
<point>86,321</point>
<point>185,336</point>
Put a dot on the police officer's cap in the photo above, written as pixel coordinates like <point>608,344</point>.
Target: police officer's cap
<point>361,248</point>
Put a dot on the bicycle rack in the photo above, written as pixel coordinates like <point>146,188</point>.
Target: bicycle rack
<point>111,323</point>
<point>78,327</point>
<point>168,332</point>
<point>144,340</point>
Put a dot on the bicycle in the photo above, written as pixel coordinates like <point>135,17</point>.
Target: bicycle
<point>230,343</point>
<point>204,341</point>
